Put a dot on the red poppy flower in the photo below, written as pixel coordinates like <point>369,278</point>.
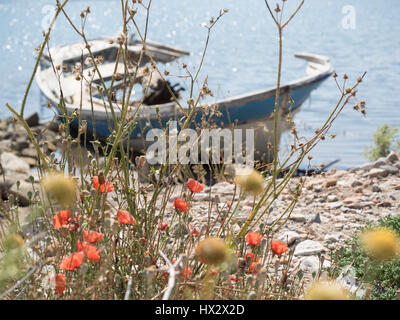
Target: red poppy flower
<point>253,239</point>
<point>61,283</point>
<point>61,219</point>
<point>125,217</point>
<point>278,247</point>
<point>249,257</point>
<point>186,272</point>
<point>73,261</point>
<point>107,186</point>
<point>143,239</point>
<point>91,251</point>
<point>195,232</point>
<point>181,205</point>
<point>252,268</point>
<point>194,186</point>
<point>92,236</point>
<point>162,226</point>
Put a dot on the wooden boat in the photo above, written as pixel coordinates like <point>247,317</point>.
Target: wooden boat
<point>253,110</point>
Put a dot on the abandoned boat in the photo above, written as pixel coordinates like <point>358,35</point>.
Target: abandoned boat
<point>249,111</point>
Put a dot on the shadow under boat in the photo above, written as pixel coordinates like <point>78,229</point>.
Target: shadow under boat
<point>248,111</point>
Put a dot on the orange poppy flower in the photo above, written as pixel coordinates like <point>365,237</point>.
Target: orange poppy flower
<point>93,236</point>
<point>278,247</point>
<point>91,251</point>
<point>73,261</point>
<point>61,283</point>
<point>61,219</point>
<point>162,226</point>
<point>194,186</point>
<point>107,186</point>
<point>181,205</point>
<point>253,239</point>
<point>125,217</point>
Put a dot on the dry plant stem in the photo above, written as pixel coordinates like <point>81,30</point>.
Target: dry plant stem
<point>172,274</point>
<point>47,37</point>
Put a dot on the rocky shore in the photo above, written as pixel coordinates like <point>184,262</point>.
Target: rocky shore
<point>330,209</point>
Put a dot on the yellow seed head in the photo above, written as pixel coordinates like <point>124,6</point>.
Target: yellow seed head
<point>326,290</point>
<point>381,243</point>
<point>212,251</point>
<point>62,188</point>
<point>250,180</point>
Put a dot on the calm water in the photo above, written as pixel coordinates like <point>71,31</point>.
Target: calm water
<point>241,56</point>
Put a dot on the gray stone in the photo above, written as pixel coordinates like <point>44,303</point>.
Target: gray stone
<point>367,166</point>
<point>356,183</point>
<point>308,248</point>
<point>33,120</point>
<point>315,218</point>
<point>397,164</point>
<point>390,169</point>
<point>11,162</point>
<point>375,188</point>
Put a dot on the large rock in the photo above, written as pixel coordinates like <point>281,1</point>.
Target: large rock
<point>390,169</point>
<point>308,248</point>
<point>11,162</point>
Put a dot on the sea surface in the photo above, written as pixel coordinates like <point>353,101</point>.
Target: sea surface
<point>241,57</point>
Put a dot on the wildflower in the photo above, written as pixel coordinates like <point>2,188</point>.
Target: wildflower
<point>162,226</point>
<point>250,180</point>
<point>61,282</point>
<point>325,290</point>
<point>195,232</point>
<point>102,185</point>
<point>194,186</point>
<point>62,219</point>
<point>73,261</point>
<point>186,272</point>
<point>93,236</point>
<point>278,247</point>
<point>253,239</point>
<point>62,188</point>
<point>181,205</point>
<point>212,250</point>
<point>125,217</point>
<point>381,243</point>
<point>250,257</point>
<point>91,251</point>
<point>252,268</point>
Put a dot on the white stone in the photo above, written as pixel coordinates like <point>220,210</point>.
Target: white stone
<point>308,248</point>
